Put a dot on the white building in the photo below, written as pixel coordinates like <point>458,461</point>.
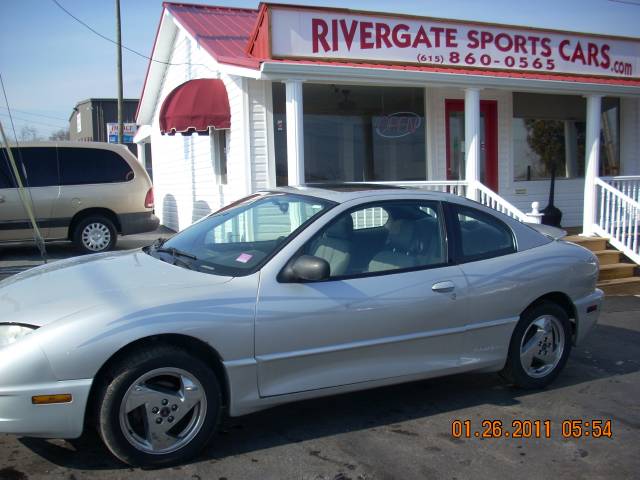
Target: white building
<point>288,94</point>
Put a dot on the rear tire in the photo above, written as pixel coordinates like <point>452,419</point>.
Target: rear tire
<point>539,347</point>
<point>95,234</point>
<point>159,408</point>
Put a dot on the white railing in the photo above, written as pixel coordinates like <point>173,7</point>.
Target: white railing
<point>456,187</point>
<point>488,197</point>
<point>485,196</point>
<point>618,218</point>
<point>628,185</point>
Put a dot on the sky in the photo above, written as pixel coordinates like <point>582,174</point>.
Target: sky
<point>49,62</point>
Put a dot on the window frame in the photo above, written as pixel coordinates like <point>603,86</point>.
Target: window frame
<point>218,139</point>
<point>61,159</point>
<point>444,232</point>
<point>454,234</point>
<point>20,153</point>
<point>330,205</point>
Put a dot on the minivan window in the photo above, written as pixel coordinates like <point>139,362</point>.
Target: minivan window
<point>6,178</point>
<point>40,164</point>
<point>81,166</point>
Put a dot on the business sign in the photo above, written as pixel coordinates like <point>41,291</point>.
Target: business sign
<point>128,132</point>
<point>397,125</point>
<point>342,35</point>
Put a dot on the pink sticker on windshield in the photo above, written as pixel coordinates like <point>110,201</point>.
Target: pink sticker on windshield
<point>244,258</point>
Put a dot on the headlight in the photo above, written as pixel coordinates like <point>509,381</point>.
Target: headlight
<point>12,333</point>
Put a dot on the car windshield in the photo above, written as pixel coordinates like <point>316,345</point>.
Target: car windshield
<point>238,239</point>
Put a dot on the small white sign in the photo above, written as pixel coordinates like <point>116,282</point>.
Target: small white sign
<point>326,34</point>
<point>79,122</point>
<point>128,132</point>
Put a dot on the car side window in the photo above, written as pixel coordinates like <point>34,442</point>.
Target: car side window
<point>381,237</point>
<point>84,166</point>
<point>6,177</point>
<point>40,165</point>
<point>480,235</point>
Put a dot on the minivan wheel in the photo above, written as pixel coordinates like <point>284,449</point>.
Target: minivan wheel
<point>160,407</point>
<point>95,234</point>
<point>539,347</point>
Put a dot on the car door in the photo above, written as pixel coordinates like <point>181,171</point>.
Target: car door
<point>390,308</point>
<point>485,249</point>
<point>12,212</point>
<point>39,174</point>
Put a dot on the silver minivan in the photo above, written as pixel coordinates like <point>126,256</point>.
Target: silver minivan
<point>86,192</point>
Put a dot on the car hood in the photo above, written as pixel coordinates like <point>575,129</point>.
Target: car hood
<point>66,287</point>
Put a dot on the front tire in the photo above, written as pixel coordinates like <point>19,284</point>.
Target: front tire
<point>160,407</point>
<point>539,347</point>
<point>95,234</point>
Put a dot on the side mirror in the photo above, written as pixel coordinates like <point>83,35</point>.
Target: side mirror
<point>307,268</point>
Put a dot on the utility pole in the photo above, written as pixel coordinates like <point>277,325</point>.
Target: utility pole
<point>119,72</point>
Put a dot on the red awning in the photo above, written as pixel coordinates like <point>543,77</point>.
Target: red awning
<point>195,106</point>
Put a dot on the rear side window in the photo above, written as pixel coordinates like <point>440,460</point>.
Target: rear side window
<point>81,166</point>
<point>40,165</point>
<point>479,235</point>
<point>6,177</point>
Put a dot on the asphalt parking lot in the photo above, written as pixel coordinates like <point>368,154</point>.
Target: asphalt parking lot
<point>403,431</point>
<point>18,257</point>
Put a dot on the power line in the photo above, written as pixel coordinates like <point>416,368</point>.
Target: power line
<point>626,2</point>
<point>29,121</point>
<point>34,114</point>
<point>104,37</point>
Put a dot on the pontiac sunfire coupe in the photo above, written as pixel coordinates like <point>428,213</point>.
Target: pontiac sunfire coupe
<point>285,295</point>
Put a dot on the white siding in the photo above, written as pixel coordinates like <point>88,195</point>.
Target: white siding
<point>184,177</point>
<point>258,118</point>
<point>630,136</point>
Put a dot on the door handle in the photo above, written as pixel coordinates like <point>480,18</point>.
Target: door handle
<point>443,287</point>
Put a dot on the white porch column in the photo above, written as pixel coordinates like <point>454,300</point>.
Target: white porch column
<point>295,132</point>
<point>141,153</point>
<point>472,139</point>
<point>591,162</point>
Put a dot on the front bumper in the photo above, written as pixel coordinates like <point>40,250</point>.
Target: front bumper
<point>587,312</point>
<point>62,420</point>
<point>25,372</point>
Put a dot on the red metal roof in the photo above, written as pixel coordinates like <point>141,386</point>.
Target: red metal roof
<point>223,32</point>
<point>228,34</point>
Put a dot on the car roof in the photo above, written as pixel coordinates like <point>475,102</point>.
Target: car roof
<point>344,192</point>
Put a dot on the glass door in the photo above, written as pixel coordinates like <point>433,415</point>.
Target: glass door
<point>454,113</point>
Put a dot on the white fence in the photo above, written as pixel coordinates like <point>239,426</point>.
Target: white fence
<point>484,195</point>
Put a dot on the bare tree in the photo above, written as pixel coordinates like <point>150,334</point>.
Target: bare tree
<point>29,134</point>
<point>62,134</point>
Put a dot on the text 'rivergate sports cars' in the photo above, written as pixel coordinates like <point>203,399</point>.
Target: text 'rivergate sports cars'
<point>285,295</point>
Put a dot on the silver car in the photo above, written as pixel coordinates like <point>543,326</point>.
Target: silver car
<point>285,295</point>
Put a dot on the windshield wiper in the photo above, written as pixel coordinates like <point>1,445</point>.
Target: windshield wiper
<point>175,252</point>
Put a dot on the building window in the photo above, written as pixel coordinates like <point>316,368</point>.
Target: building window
<point>549,133</point>
<point>219,154</point>
<point>356,133</point>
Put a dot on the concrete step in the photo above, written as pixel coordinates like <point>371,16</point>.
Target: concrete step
<point>616,270</point>
<point>594,244</point>
<point>621,286</point>
<point>608,257</point>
